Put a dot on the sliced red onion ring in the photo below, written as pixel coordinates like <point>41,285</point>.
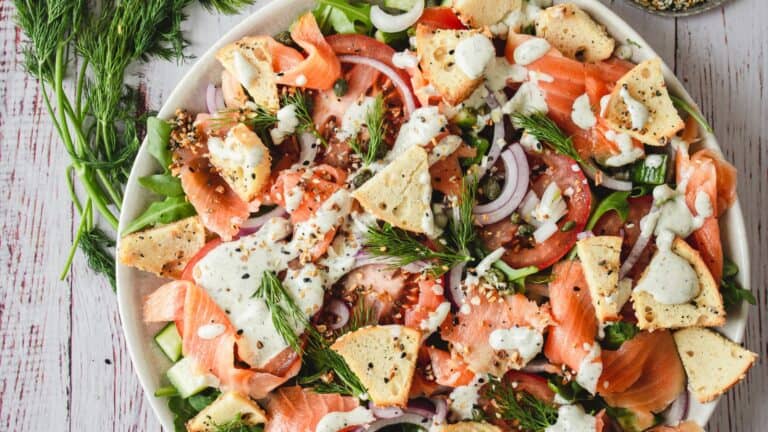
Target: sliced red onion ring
<point>635,253</point>
<point>402,86</point>
<point>514,190</point>
<point>214,99</point>
<point>678,411</point>
<point>410,418</point>
<point>441,410</point>
<point>606,181</point>
<point>421,406</point>
<point>341,310</point>
<point>498,140</point>
<point>584,235</point>
<point>396,23</point>
<point>385,412</point>
<point>252,225</point>
<point>454,284</point>
<point>308,144</point>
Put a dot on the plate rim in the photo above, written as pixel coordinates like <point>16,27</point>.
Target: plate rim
<point>284,11</point>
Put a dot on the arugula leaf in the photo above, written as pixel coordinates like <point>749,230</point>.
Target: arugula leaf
<point>169,210</point>
<point>236,425</point>
<point>618,333</point>
<point>162,184</point>
<point>343,16</point>
<point>158,138</point>
<point>616,201</point>
<point>682,105</point>
<point>732,292</point>
<point>184,409</point>
<point>515,276</point>
<point>568,390</point>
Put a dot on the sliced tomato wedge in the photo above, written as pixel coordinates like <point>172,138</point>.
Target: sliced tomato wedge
<point>441,17</point>
<point>571,180</point>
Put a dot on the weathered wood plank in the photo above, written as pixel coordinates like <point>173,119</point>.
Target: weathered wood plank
<point>35,233</point>
<point>722,57</point>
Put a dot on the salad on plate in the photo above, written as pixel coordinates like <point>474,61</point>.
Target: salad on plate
<point>475,217</point>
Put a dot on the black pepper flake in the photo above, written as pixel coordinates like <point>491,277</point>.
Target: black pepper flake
<point>246,276</point>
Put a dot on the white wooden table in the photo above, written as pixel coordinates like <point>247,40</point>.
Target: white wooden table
<point>63,361</point>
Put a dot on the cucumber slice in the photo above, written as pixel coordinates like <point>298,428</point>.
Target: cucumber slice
<point>188,380</point>
<point>169,340</point>
<point>650,171</point>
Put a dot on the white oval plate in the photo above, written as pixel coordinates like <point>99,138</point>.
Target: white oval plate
<point>133,285</point>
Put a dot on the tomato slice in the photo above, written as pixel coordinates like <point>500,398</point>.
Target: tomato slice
<point>441,17</point>
<point>559,169</point>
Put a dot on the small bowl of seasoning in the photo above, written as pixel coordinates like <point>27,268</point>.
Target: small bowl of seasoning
<point>676,8</point>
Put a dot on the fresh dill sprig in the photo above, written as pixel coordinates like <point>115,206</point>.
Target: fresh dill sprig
<point>546,131</point>
<point>530,413</point>
<point>236,425</point>
<point>403,249</point>
<point>374,122</point>
<point>362,315</point>
<point>96,244</point>
<point>326,360</point>
<point>461,228</point>
<point>260,119</point>
<point>285,313</point>
<point>303,106</point>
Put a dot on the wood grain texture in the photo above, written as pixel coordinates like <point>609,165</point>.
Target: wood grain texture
<point>63,362</point>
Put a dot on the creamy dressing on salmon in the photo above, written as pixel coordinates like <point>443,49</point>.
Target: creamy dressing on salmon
<point>336,421</point>
<point>464,398</point>
<point>590,368</point>
<point>432,322</point>
<point>355,118</point>
<point>405,59</point>
<point>526,341</point>
<point>572,418</point>
<point>581,113</point>
<point>424,124</point>
<point>234,152</point>
<point>286,125</point>
<point>530,51</point>
<point>628,153</point>
<point>331,214</point>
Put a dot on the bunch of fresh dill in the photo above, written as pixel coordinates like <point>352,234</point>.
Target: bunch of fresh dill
<point>79,53</point>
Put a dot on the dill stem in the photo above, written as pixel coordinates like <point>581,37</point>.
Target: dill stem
<point>76,241</point>
<point>79,108</point>
<point>71,188</point>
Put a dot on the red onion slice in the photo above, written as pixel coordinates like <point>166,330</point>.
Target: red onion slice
<point>454,284</point>
<point>341,310</point>
<point>678,411</point>
<point>515,165</point>
<point>396,23</point>
<point>402,86</point>
<point>441,410</point>
<point>606,181</point>
<point>584,235</point>
<point>214,99</point>
<point>635,253</point>
<point>498,140</point>
<point>308,144</point>
<point>410,418</point>
<point>253,224</point>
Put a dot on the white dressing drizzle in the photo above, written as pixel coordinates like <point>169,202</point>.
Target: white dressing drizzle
<point>473,54</point>
<point>582,114</point>
<point>572,418</point>
<point>638,112</point>
<point>336,421</point>
<point>526,341</point>
<point>530,51</point>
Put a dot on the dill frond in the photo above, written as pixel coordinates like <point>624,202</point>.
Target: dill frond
<point>546,131</point>
<point>461,229</point>
<point>374,122</point>
<point>96,245</point>
<point>284,312</point>
<point>404,249</point>
<point>303,104</point>
<point>530,413</point>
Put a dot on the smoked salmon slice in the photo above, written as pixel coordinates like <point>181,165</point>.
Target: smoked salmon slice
<point>469,329</point>
<point>655,364</point>
<point>574,327</point>
<point>294,409</point>
<point>220,208</point>
<point>166,303</point>
<point>430,297</point>
<point>320,69</point>
<point>447,370</point>
<point>328,106</point>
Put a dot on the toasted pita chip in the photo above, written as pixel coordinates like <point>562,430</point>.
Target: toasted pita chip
<point>713,363</point>
<point>400,194</point>
<point>482,13</point>
<point>384,358</point>
<point>645,84</point>
<point>706,310</point>
<point>228,407</point>
<point>574,33</point>
<point>250,62</point>
<point>600,259</point>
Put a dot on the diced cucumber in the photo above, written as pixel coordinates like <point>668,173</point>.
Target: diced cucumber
<point>169,340</point>
<point>650,171</point>
<point>403,5</point>
<point>187,379</point>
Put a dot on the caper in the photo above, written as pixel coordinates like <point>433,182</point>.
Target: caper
<point>284,37</point>
<point>515,218</point>
<point>340,87</point>
<point>525,230</point>
<point>465,119</point>
<point>441,220</point>
<point>361,177</point>
<point>568,226</point>
<point>491,188</point>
